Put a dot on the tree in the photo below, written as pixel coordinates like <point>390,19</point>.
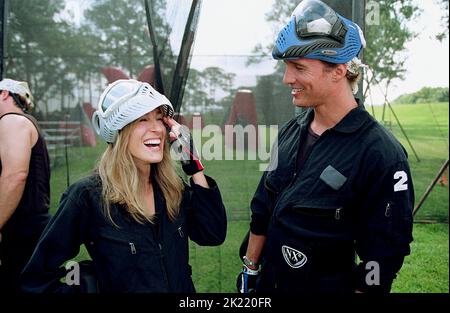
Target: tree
<point>278,17</point>
<point>124,37</point>
<point>386,42</point>
<point>215,78</point>
<point>424,95</point>
<point>121,33</point>
<point>57,56</point>
<point>194,94</point>
<point>445,21</point>
<point>86,60</point>
<point>36,42</point>
<point>273,98</point>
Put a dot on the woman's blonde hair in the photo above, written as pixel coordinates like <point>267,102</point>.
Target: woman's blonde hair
<point>121,182</point>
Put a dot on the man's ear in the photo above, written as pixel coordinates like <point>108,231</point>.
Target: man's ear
<point>339,72</point>
<point>4,95</point>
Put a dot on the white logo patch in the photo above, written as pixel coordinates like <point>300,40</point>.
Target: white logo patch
<point>328,52</point>
<point>293,257</point>
<point>401,185</point>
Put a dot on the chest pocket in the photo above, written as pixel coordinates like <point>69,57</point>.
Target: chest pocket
<point>177,244</point>
<point>117,255</point>
<point>322,213</point>
<point>177,256</point>
<point>321,221</point>
<point>333,178</point>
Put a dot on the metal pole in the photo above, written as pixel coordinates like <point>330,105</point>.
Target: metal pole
<point>430,187</point>
<point>182,68</point>
<point>384,111</point>
<point>156,54</point>
<point>403,131</point>
<point>358,16</point>
<point>398,122</point>
<point>343,7</point>
<point>3,35</point>
<point>359,13</point>
<point>353,10</point>
<point>66,143</point>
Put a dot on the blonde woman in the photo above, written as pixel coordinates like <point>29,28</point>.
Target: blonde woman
<point>134,214</point>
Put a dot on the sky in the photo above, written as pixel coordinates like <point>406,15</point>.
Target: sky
<point>234,27</point>
<point>428,62</point>
<point>226,35</point>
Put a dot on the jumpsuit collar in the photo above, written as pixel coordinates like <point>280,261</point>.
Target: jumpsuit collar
<point>351,122</point>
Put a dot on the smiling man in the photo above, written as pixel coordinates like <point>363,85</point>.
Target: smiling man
<point>342,186</point>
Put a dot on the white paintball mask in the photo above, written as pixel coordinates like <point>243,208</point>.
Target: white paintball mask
<point>123,102</point>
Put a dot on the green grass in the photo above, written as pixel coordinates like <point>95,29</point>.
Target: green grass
<point>426,269</point>
<point>81,162</point>
<point>215,268</point>
<point>426,126</point>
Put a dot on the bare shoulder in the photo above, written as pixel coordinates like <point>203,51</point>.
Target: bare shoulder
<point>17,126</point>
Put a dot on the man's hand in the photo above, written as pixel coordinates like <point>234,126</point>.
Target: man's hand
<point>246,280</point>
<point>183,146</point>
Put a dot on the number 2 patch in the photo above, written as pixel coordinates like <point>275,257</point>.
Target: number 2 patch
<point>401,185</point>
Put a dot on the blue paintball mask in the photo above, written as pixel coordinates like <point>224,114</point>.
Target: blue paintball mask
<point>316,31</point>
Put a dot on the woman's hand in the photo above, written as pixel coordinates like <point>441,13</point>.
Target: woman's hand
<point>174,127</point>
<point>183,145</point>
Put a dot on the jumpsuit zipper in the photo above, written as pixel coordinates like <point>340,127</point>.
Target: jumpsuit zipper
<point>133,248</point>
<point>319,212</point>
<point>157,236</point>
<point>296,170</point>
<point>123,241</point>
<point>295,176</point>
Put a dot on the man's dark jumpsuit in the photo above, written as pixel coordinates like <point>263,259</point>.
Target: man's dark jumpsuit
<point>353,194</point>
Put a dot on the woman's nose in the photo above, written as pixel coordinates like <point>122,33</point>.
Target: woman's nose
<point>155,125</point>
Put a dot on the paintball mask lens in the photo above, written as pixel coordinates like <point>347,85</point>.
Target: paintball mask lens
<point>314,18</point>
<point>121,90</point>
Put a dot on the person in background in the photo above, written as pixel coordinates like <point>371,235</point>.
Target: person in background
<point>24,182</point>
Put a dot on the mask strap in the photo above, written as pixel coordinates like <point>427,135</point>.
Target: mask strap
<point>19,102</point>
